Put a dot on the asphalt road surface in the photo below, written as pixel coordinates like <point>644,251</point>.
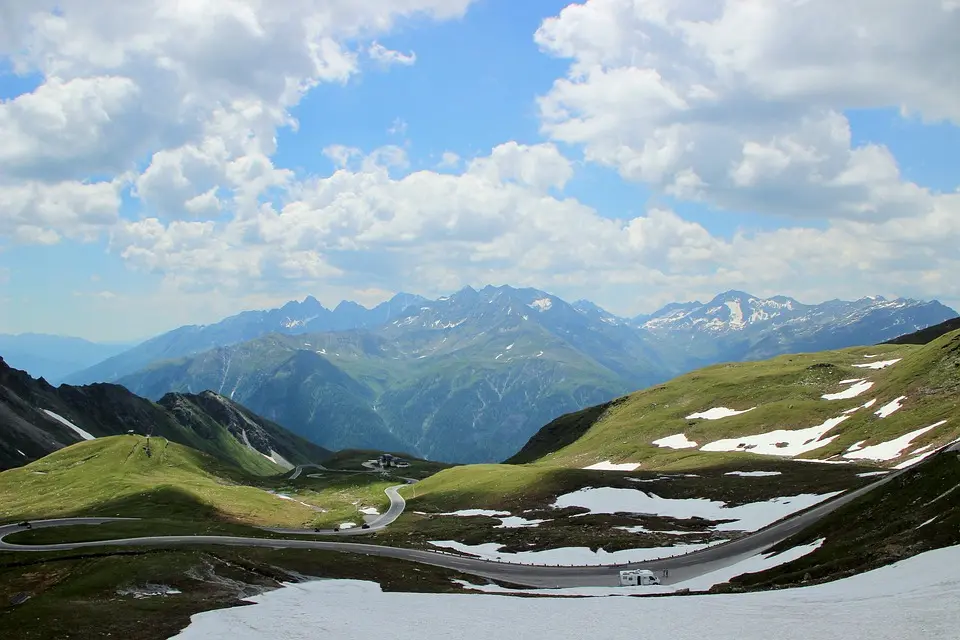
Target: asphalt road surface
<point>680,568</point>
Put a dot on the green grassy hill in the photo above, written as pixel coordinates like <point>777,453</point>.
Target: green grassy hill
<point>134,476</point>
<point>784,393</point>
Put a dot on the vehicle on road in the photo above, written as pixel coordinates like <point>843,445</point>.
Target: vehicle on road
<point>638,577</point>
<point>25,524</point>
<point>364,526</point>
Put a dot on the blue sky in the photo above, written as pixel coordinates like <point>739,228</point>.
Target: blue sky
<point>575,172</point>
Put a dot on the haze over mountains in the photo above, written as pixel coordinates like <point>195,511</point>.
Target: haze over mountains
<point>471,376</point>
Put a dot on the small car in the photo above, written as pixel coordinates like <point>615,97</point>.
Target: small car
<point>364,526</point>
<point>25,524</point>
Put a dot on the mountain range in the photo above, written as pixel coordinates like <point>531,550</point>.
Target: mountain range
<point>37,419</point>
<point>471,376</point>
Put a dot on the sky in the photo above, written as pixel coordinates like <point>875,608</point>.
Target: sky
<point>166,163</point>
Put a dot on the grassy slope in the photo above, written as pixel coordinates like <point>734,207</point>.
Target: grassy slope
<point>786,391</point>
<point>115,476</point>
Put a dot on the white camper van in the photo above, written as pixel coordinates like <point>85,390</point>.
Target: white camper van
<point>637,577</point>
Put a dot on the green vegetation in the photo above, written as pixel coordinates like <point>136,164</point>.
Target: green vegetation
<point>913,513</point>
<point>133,476</point>
<point>516,488</point>
<point>787,393</point>
<point>362,390</point>
<point>176,488</point>
<point>91,595</point>
<point>339,495</point>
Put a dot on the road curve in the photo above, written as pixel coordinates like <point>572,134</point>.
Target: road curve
<point>397,505</point>
<point>681,567</point>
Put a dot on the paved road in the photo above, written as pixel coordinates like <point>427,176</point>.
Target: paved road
<point>681,567</point>
<point>397,505</point>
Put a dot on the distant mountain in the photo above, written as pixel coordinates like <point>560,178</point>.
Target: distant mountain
<point>737,326</point>
<point>292,318</point>
<point>37,419</point>
<point>54,357</point>
<point>465,378</point>
<point>469,377</point>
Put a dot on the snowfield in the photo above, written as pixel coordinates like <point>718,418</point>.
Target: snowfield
<point>753,474</point>
<point>861,386</point>
<point>507,521</point>
<point>80,432</point>
<point>890,408</point>
<point>912,599</point>
<point>606,465</point>
<point>883,364</point>
<point>678,441</point>
<point>781,442</point>
<point>747,517</point>
<point>581,556</point>
<point>891,449</point>
<point>718,413</point>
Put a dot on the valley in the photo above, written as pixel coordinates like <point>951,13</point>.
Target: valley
<point>470,377</point>
<point>734,477</point>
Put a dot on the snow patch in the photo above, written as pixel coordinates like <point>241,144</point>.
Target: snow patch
<point>870,474</point>
<point>891,449</point>
<point>80,432</point>
<point>736,314</point>
<point>781,442</point>
<point>606,465</point>
<point>466,513</point>
<point>882,364</point>
<point>677,441</point>
<point>850,392</point>
<point>717,413</point>
<point>890,408</point>
<point>516,522</point>
<point>747,517</point>
<point>507,521</point>
<point>914,460</point>
<point>753,474</point>
<point>369,511</point>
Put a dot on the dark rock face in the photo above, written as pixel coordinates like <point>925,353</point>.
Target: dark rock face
<point>29,431</point>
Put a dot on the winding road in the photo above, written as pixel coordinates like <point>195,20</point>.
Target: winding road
<point>680,568</point>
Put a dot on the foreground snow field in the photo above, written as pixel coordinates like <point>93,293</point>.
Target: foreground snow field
<point>913,599</point>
